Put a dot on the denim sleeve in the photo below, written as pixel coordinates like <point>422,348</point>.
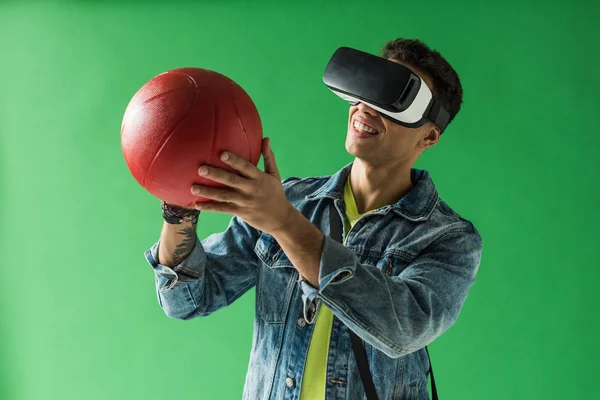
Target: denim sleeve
<point>218,271</point>
<point>397,314</point>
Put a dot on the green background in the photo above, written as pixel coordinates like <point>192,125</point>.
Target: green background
<point>79,317</point>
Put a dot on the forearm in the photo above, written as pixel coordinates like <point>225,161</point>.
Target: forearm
<point>302,242</point>
<point>217,271</point>
<point>176,242</point>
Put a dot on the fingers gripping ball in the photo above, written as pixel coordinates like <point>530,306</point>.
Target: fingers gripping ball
<point>182,119</point>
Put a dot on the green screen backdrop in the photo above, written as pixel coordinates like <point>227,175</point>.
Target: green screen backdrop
<point>79,318</point>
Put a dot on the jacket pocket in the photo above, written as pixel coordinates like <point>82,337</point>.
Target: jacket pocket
<point>393,264</point>
<point>276,281</point>
<point>413,391</point>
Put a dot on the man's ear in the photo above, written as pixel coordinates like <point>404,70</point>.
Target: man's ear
<point>432,137</point>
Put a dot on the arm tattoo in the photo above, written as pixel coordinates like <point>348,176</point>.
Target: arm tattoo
<point>185,247</point>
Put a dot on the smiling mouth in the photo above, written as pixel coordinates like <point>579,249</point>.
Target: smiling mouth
<point>364,128</point>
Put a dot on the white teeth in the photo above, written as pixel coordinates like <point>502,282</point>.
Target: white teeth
<point>364,128</point>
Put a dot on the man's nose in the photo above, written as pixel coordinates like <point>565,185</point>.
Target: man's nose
<point>366,109</point>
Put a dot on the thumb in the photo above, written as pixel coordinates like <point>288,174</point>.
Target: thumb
<point>269,157</point>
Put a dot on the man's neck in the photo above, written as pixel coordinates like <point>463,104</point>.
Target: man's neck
<point>375,187</point>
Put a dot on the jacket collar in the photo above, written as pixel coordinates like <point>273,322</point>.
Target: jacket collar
<point>416,205</point>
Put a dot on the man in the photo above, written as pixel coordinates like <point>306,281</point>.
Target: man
<point>398,282</point>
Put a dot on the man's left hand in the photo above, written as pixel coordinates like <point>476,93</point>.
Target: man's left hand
<point>256,196</point>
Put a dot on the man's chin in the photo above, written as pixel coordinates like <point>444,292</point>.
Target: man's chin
<point>352,149</point>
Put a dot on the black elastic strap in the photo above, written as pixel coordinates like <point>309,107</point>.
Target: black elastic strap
<point>434,395</point>
<point>363,366</point>
<point>357,344</point>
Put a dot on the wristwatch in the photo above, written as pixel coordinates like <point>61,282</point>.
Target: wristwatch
<point>177,215</point>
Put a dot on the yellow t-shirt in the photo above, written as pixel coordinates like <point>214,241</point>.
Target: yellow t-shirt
<point>314,379</point>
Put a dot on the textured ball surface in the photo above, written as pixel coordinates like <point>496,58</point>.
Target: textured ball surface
<point>182,119</point>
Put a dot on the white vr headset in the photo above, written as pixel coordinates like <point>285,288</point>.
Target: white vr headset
<point>392,89</point>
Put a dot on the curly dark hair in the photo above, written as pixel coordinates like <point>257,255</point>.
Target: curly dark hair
<point>446,84</point>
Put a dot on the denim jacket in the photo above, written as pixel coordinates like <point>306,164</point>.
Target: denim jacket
<point>399,281</point>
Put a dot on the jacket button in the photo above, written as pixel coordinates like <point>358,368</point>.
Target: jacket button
<point>301,321</point>
<point>289,382</point>
<point>276,256</point>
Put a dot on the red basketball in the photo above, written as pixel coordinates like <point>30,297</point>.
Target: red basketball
<point>182,119</point>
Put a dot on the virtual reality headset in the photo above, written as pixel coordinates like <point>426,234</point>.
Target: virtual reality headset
<point>395,91</point>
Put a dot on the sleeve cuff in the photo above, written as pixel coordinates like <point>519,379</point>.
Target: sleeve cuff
<point>191,268</point>
<point>337,265</point>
